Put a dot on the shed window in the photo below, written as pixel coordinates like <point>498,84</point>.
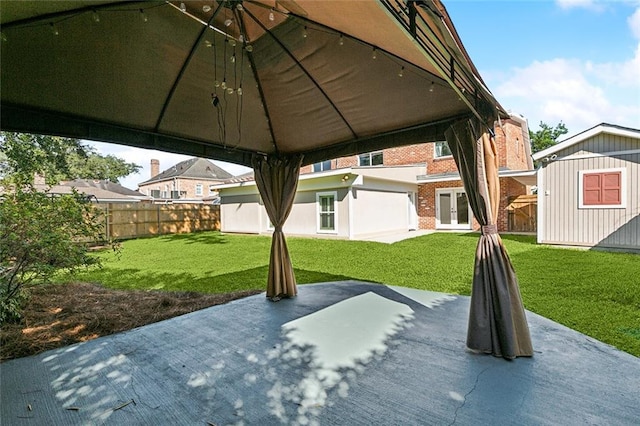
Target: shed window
<point>326,205</point>
<point>602,188</point>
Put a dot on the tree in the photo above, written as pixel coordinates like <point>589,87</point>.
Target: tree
<point>57,159</point>
<point>546,136</point>
<point>95,166</point>
<point>40,233</point>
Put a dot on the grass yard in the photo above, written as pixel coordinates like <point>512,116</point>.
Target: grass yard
<point>596,293</point>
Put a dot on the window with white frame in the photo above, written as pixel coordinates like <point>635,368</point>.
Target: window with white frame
<point>371,159</point>
<point>198,189</point>
<point>602,188</point>
<point>326,207</point>
<point>322,166</point>
<point>441,149</point>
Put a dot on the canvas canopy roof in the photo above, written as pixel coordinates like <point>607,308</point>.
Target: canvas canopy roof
<point>273,85</point>
<point>145,74</point>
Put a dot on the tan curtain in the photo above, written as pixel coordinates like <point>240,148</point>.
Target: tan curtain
<point>277,180</point>
<point>497,322</point>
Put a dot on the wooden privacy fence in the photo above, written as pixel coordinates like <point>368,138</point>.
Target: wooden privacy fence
<point>523,213</point>
<point>123,221</point>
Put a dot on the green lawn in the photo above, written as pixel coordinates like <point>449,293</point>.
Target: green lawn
<point>594,292</point>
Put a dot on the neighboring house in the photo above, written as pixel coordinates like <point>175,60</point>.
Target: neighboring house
<point>98,191</point>
<point>589,189</point>
<point>190,181</point>
<point>393,190</point>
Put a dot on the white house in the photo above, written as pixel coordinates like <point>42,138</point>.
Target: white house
<point>589,189</point>
<point>347,203</point>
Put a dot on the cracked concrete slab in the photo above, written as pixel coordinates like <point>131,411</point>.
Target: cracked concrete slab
<point>257,362</point>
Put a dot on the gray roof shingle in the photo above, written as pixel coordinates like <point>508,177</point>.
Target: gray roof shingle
<point>197,168</point>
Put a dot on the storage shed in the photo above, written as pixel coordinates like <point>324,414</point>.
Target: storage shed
<point>589,189</point>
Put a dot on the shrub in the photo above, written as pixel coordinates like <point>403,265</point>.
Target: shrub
<point>39,235</point>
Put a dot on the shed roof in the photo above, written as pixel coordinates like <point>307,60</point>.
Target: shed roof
<point>611,129</point>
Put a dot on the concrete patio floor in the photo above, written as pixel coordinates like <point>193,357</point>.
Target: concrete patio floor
<point>339,353</point>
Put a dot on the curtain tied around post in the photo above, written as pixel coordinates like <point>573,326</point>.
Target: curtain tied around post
<point>489,229</point>
<point>497,321</point>
<point>277,180</point>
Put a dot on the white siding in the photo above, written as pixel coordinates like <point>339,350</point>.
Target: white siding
<point>365,206</point>
<point>377,212</point>
<point>240,213</point>
<point>303,217</point>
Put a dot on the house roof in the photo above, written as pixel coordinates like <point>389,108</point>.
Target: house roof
<point>102,191</point>
<point>611,129</point>
<point>246,177</point>
<point>194,168</point>
<point>103,185</point>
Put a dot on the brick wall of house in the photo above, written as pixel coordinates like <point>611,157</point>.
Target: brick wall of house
<point>509,187</point>
<point>400,156</point>
<point>427,203</point>
<point>426,206</point>
<point>351,161</point>
<point>510,141</point>
<point>182,184</point>
<point>410,154</point>
<point>438,165</point>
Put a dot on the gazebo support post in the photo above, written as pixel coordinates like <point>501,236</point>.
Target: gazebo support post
<point>277,180</point>
<point>497,321</point>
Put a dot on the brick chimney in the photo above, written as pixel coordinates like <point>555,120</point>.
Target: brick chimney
<point>155,167</point>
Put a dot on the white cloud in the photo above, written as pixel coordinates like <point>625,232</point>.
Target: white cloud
<point>625,74</point>
<point>585,4</point>
<point>580,94</point>
<point>634,23</point>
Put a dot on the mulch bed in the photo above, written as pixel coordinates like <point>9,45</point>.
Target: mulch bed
<point>61,315</point>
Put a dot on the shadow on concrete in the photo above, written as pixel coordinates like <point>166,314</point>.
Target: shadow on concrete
<point>395,360</point>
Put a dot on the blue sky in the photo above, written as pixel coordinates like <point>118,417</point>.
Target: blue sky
<point>575,61</point>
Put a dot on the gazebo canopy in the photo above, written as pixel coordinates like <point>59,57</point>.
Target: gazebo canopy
<point>272,85</point>
<point>231,78</point>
